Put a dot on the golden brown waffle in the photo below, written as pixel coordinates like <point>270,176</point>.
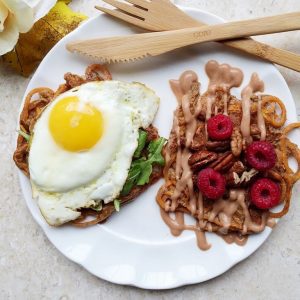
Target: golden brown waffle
<point>34,104</point>
<point>223,156</point>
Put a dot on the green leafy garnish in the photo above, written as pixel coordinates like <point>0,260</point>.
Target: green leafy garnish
<point>25,135</point>
<point>97,206</point>
<point>117,204</point>
<point>141,143</point>
<point>154,149</point>
<point>132,178</point>
<point>146,170</point>
<point>141,169</point>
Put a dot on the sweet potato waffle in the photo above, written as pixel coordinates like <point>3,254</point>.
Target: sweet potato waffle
<point>190,150</point>
<point>36,101</point>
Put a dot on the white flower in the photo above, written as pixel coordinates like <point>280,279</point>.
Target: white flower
<point>18,16</point>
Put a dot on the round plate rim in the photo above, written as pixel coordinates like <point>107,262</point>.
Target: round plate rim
<point>135,282</point>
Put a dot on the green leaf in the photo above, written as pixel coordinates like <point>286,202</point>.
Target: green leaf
<point>117,204</point>
<point>141,143</point>
<point>138,162</point>
<point>97,206</point>
<point>154,149</point>
<point>141,169</point>
<point>132,178</point>
<point>145,174</point>
<point>25,135</point>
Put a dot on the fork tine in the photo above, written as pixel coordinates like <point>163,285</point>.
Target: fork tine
<point>127,8</point>
<point>141,3</point>
<point>120,15</point>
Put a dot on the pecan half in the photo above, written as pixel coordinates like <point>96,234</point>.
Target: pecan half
<point>224,162</point>
<point>230,180</point>
<point>218,146</point>
<point>236,142</point>
<point>237,168</point>
<point>201,158</point>
<point>274,175</point>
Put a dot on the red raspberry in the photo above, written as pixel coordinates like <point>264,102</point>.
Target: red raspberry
<point>211,183</point>
<point>265,193</point>
<point>261,155</point>
<point>219,127</point>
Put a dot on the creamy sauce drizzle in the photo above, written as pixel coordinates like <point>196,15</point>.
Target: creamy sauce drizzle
<point>260,120</point>
<point>271,222</point>
<point>255,85</point>
<point>224,76</point>
<point>234,237</point>
<point>223,210</point>
<point>177,226</point>
<point>181,88</point>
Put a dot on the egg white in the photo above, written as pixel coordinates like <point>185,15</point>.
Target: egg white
<point>65,181</point>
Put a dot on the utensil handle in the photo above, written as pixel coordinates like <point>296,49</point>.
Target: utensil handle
<point>232,30</point>
<point>276,55</point>
<point>124,48</point>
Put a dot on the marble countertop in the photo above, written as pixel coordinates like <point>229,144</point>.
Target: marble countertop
<point>30,266</point>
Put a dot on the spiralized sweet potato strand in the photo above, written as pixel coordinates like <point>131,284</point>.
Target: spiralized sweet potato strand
<point>288,149</point>
<point>269,111</point>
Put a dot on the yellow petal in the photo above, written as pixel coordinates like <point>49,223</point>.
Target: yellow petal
<point>24,14</point>
<point>3,15</point>
<point>9,36</point>
<point>46,32</point>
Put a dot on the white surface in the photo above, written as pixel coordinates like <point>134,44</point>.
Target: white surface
<point>138,228</point>
<point>31,268</point>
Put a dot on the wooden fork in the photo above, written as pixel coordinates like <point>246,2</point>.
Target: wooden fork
<point>136,46</point>
<point>161,15</point>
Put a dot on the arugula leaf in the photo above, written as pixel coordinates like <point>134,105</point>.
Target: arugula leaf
<point>141,143</point>
<point>97,206</point>
<point>141,169</point>
<point>154,149</point>
<point>154,156</point>
<point>25,135</point>
<point>145,174</point>
<point>133,176</point>
<point>117,204</point>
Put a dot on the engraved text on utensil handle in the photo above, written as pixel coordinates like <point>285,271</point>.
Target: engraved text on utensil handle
<point>201,34</point>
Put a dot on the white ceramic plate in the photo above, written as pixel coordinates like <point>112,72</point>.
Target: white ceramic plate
<point>134,246</point>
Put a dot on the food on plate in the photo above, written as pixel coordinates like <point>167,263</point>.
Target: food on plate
<point>226,160</point>
<point>89,146</point>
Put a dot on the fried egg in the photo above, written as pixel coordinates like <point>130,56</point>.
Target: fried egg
<point>83,143</point>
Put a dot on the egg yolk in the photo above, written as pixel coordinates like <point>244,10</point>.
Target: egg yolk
<point>74,125</point>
